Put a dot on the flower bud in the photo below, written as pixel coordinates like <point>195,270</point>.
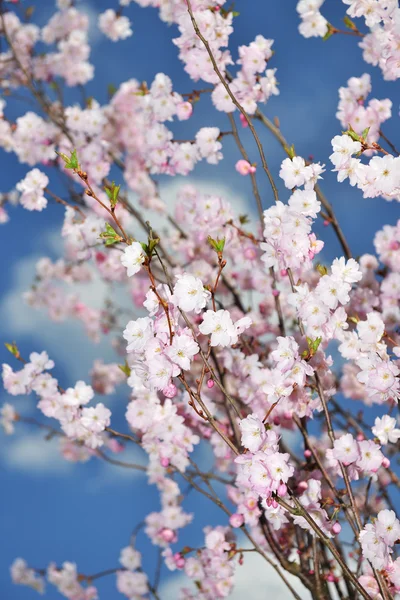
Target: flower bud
<point>170,391</point>
<point>236,520</point>
<point>336,528</point>
<point>167,535</point>
<point>282,490</point>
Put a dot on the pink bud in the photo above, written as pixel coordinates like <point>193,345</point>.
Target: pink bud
<point>114,445</point>
<point>283,272</point>
<point>179,560</point>
<point>307,453</point>
<point>100,257</point>
<point>210,384</point>
<point>282,489</point>
<point>274,503</point>
<point>275,293</point>
<point>326,223</point>
<point>243,120</point>
<point>170,391</point>
<point>250,253</point>
<point>244,167</point>
<point>167,535</point>
<point>302,485</point>
<point>360,437</point>
<point>330,577</point>
<point>336,528</point>
<point>236,520</point>
<point>164,462</point>
<point>385,463</point>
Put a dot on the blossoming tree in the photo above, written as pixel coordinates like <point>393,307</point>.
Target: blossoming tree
<point>195,364</point>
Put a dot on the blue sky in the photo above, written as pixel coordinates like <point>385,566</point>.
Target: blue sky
<point>85,513</point>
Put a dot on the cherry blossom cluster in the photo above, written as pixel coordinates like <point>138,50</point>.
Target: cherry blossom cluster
<point>78,422</point>
<point>131,580</point>
<point>66,580</point>
<point>68,29</point>
<point>211,568</point>
<point>263,469</point>
<point>31,188</point>
<point>362,456</point>
<point>321,310</point>
<point>380,45</point>
<point>352,108</point>
<point>162,430</point>
<point>377,541</point>
<point>380,177</point>
<point>287,227</point>
<point>313,23</point>
<point>115,26</point>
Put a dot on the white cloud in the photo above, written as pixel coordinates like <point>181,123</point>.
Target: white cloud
<point>58,339</point>
<point>32,454</point>
<point>255,579</point>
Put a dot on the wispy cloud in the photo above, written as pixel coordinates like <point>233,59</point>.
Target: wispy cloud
<point>32,454</point>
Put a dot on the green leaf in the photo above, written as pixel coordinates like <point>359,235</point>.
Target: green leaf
<point>313,346</point>
<point>365,133</point>
<point>328,34</point>
<point>316,344</point>
<point>29,12</point>
<point>349,23</point>
<point>71,162</point>
<point>125,369</point>
<point>110,236</point>
<point>218,245</point>
<point>351,133</point>
<point>112,193</point>
<point>322,270</point>
<point>290,151</point>
<point>12,348</point>
<point>111,89</point>
<point>152,244</point>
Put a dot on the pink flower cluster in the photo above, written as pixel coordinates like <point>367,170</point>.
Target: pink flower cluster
<point>263,469</point>
<point>78,422</point>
